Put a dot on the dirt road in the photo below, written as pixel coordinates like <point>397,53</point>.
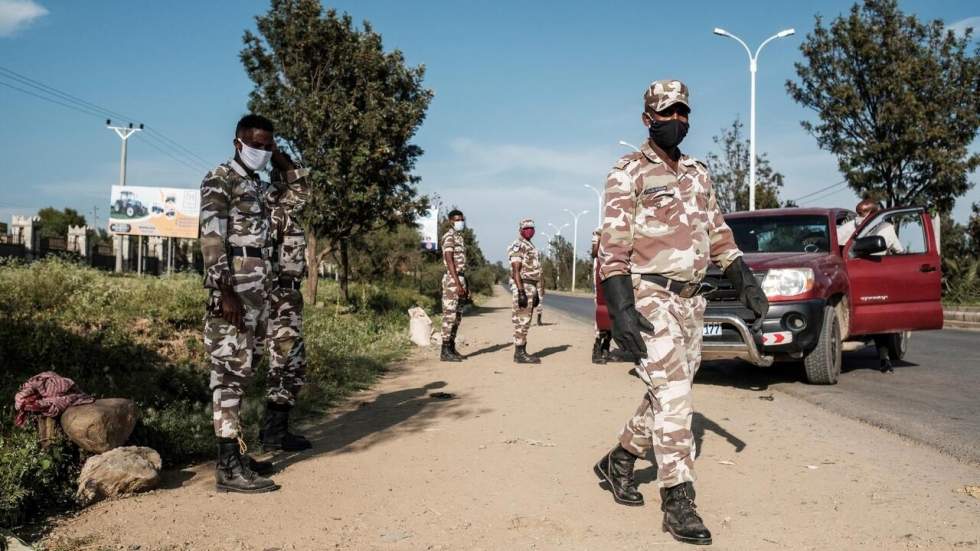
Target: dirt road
<point>504,461</point>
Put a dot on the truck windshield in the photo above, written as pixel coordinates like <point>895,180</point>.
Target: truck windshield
<point>781,234</point>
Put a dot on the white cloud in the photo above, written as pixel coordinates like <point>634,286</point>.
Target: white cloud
<point>18,14</point>
<point>960,27</point>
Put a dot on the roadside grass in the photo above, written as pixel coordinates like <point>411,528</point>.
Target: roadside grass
<point>140,338</point>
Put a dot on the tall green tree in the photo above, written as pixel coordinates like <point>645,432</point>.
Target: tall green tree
<point>347,109</point>
<point>898,102</point>
<point>54,222</point>
<point>730,173</point>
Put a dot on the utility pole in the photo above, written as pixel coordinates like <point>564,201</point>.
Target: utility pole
<point>575,242</point>
<point>601,208</point>
<point>124,134</point>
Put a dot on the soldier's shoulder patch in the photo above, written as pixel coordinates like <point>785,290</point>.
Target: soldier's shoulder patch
<point>626,160</point>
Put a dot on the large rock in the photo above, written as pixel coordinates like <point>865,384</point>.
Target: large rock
<point>100,426</point>
<point>118,472</point>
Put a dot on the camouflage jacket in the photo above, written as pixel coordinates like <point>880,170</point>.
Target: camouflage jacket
<point>286,235</point>
<point>234,213</point>
<point>453,242</point>
<point>523,251</point>
<point>660,222</point>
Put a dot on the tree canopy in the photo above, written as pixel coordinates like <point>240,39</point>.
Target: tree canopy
<point>898,102</point>
<point>347,109</point>
<point>730,173</point>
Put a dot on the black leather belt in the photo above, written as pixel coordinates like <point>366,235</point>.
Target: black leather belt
<point>289,283</point>
<point>683,289</point>
<point>247,252</point>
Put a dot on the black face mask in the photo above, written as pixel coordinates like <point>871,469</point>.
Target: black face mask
<point>668,134</point>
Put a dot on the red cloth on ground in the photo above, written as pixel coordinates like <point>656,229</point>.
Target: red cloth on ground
<point>48,394</point>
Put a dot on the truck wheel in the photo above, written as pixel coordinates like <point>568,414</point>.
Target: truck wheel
<point>130,212</point>
<point>823,363</point>
<point>896,343</point>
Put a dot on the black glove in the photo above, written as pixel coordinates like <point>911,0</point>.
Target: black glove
<point>522,298</point>
<point>627,322</point>
<point>537,299</point>
<point>748,288</point>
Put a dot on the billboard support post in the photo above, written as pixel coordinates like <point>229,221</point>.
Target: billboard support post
<point>124,133</point>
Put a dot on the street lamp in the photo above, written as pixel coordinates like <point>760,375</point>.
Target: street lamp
<point>753,65</point>
<point>598,195</point>
<point>575,242</point>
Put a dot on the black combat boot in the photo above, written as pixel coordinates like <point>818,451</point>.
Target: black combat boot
<point>522,357</point>
<point>598,357</point>
<point>263,468</point>
<point>452,344</point>
<point>447,354</point>
<point>539,320</point>
<point>231,475</point>
<point>680,517</point>
<point>606,344</point>
<point>275,435</point>
<point>616,468</point>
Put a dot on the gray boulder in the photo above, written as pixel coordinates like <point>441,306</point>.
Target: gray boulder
<point>118,472</point>
<point>100,426</point>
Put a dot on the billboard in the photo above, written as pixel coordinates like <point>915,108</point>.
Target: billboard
<point>161,211</point>
<point>429,228</point>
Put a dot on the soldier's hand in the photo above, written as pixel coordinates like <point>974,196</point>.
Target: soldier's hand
<point>232,310</point>
<point>755,299</point>
<point>464,294</point>
<point>627,328</point>
<point>281,160</point>
<point>522,298</point>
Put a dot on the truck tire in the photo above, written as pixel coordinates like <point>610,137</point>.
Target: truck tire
<point>896,343</point>
<point>823,363</point>
<point>130,212</point>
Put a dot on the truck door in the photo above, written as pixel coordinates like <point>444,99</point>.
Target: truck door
<point>898,289</point>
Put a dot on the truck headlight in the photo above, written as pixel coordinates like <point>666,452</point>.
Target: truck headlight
<point>787,282</point>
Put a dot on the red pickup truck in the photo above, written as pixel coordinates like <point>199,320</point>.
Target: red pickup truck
<point>832,285</point>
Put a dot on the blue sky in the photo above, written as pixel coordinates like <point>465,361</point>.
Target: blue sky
<point>531,98</point>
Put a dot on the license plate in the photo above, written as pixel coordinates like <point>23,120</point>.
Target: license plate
<point>711,330</point>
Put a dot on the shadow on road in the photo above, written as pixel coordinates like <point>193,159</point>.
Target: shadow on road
<point>551,350</point>
<point>488,350</point>
<point>389,415</point>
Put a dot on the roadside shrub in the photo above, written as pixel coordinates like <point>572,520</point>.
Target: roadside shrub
<point>34,480</point>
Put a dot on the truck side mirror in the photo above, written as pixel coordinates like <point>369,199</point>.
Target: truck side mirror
<point>868,245</point>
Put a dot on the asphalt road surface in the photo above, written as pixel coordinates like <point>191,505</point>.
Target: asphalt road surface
<point>933,397</point>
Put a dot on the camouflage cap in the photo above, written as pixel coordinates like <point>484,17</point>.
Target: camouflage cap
<point>663,93</point>
<point>526,223</point>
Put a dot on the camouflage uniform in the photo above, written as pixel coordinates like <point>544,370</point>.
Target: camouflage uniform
<point>452,242</point>
<point>287,352</point>
<point>234,214</point>
<point>521,250</point>
<point>657,221</point>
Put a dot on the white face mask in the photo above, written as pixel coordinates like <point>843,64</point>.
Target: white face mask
<point>459,225</point>
<point>254,159</point>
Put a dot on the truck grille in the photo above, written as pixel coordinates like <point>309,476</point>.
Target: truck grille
<point>724,300</point>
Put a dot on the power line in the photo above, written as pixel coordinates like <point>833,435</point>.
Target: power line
<point>822,197</point>
<point>821,190</point>
<point>177,151</point>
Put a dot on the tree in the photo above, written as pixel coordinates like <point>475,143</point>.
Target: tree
<point>898,102</point>
<point>54,222</point>
<point>730,173</point>
<point>348,110</point>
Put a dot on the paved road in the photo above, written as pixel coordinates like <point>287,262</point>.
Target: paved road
<point>933,397</point>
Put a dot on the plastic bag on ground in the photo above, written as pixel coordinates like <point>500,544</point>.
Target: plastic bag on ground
<point>419,326</point>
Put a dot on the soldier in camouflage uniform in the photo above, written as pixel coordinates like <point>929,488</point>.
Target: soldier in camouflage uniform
<point>662,226</point>
<point>287,352</point>
<point>235,245</point>
<point>525,266</point>
<point>454,287</point>
<point>603,339</point>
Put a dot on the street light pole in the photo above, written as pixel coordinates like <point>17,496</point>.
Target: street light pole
<point>124,133</point>
<point>575,242</point>
<point>753,66</point>
<point>600,210</point>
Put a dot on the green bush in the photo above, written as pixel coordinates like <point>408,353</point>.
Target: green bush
<point>141,338</point>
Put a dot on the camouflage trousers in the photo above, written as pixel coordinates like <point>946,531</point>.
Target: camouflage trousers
<point>663,419</point>
<point>287,351</point>
<point>451,315</point>
<point>522,316</point>
<point>232,352</point>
